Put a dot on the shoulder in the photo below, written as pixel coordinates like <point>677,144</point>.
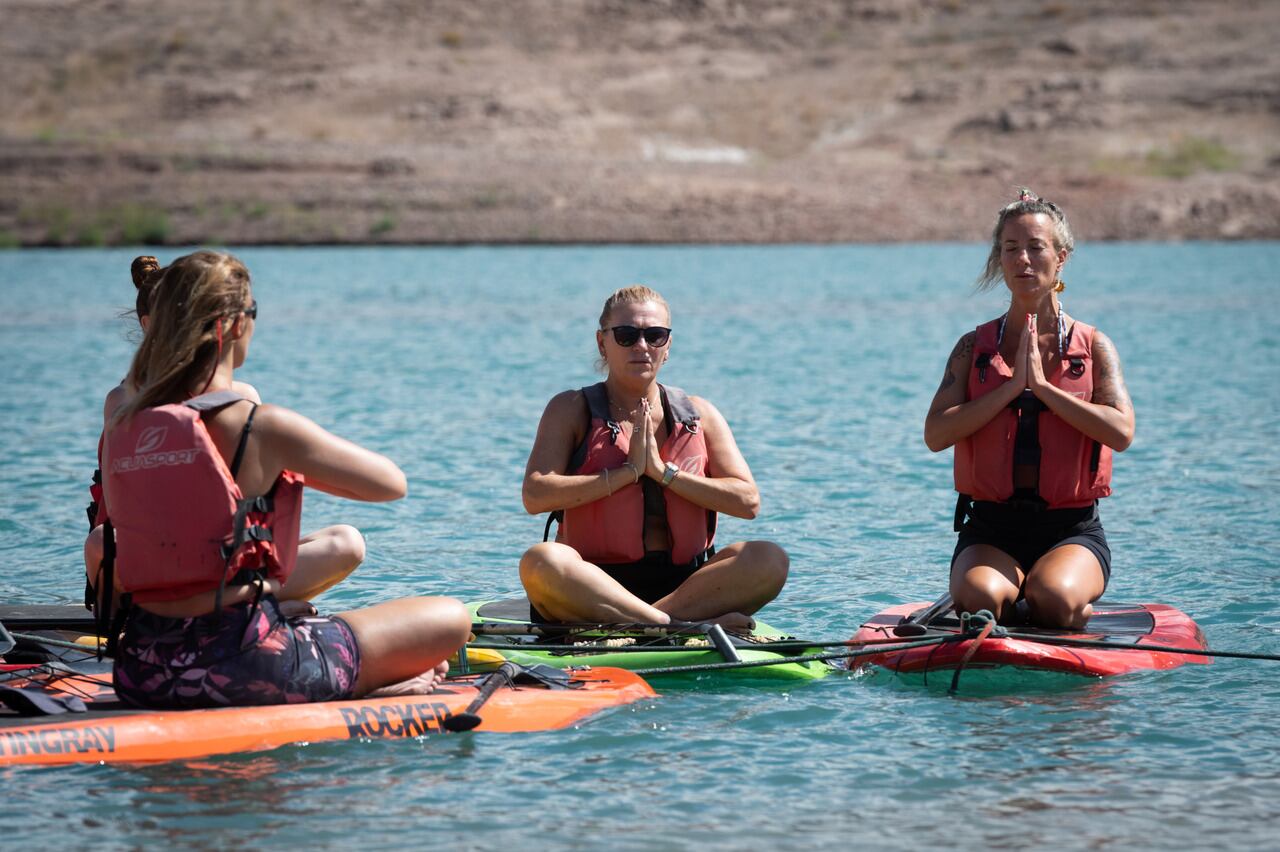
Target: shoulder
<point>963,350</point>
<point>272,419</point>
<point>247,391</point>
<point>1102,347</point>
<point>710,415</point>
<point>117,397</point>
<point>566,404</point>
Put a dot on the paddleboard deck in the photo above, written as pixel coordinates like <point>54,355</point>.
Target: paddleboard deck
<point>1127,627</point>
<point>638,649</point>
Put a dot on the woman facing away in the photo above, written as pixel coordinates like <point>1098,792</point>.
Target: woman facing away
<point>1034,403</point>
<point>203,488</point>
<point>637,472</point>
<point>325,557</point>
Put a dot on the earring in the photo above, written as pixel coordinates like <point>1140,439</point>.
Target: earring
<point>1060,286</point>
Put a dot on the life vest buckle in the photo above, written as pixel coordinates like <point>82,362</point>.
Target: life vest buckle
<point>982,362</point>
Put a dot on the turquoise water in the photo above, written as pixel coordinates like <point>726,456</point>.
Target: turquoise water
<point>823,359</point>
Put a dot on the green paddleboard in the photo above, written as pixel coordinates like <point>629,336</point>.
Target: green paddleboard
<point>637,650</point>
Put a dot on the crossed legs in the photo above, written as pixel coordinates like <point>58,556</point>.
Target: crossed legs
<point>738,580</point>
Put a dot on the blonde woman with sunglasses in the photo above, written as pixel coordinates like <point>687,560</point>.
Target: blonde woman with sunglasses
<point>636,473</point>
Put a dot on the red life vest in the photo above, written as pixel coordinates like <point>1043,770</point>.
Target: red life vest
<point>181,524</point>
<point>97,508</point>
<point>1075,469</point>
<point>611,529</point>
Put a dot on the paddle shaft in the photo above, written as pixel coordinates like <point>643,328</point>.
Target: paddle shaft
<point>918,624</point>
<point>469,718</point>
<point>806,658</point>
<point>1166,649</point>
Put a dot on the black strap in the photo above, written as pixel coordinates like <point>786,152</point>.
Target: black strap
<point>106,584</point>
<point>963,502</point>
<point>982,362</point>
<point>244,441</point>
<point>556,517</point>
<point>92,508</point>
<point>1026,442</point>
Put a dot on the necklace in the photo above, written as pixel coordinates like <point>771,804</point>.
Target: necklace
<point>625,415</point>
<point>1064,340</point>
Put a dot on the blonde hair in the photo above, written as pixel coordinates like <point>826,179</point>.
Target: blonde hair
<point>630,295</point>
<point>626,296</point>
<point>1028,203</point>
<point>190,301</point>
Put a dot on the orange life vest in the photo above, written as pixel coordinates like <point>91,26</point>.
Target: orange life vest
<point>611,529</point>
<point>181,524</point>
<point>1075,469</point>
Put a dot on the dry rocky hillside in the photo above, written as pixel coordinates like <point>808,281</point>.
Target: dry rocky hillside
<point>294,121</point>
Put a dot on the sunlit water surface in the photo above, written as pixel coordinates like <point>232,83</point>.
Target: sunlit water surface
<point>824,360</point>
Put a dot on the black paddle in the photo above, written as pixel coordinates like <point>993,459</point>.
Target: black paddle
<point>918,624</point>
<point>469,718</point>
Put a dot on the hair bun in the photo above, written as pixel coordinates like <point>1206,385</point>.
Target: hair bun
<point>141,269</point>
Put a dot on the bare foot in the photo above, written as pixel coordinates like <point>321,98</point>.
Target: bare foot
<point>296,609</point>
<point>736,622</point>
<point>423,684</point>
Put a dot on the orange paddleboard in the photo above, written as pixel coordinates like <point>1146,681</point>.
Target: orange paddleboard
<point>111,733</point>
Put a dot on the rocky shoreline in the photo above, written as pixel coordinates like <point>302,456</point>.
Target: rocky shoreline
<point>126,122</point>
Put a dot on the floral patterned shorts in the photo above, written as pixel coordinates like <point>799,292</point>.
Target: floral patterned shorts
<point>249,655</point>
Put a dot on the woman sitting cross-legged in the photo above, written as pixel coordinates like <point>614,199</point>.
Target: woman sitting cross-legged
<point>638,472</point>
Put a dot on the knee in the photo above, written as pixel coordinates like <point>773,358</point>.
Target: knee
<point>772,560</point>
<point>543,562</point>
<point>348,546</point>
<point>972,594</point>
<point>453,618</point>
<point>93,553</point>
<point>1055,607</point>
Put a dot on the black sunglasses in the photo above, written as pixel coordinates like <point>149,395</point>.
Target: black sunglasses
<point>628,335</point>
<point>252,311</point>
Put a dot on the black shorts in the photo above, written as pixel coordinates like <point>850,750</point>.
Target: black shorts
<point>650,579</point>
<point>1027,533</point>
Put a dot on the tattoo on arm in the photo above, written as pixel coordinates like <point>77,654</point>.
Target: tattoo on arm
<point>1108,382</point>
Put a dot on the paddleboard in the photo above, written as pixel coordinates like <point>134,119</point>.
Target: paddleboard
<point>1128,630</point>
<point>635,649</point>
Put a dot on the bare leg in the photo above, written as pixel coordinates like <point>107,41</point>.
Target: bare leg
<point>1063,585</point>
<point>985,577</point>
<point>732,585</point>
<point>93,555</point>
<point>565,587</point>
<point>406,640</point>
<point>737,581</point>
<point>325,558</point>
<point>93,567</point>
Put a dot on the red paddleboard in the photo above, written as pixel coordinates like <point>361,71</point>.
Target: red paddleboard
<point>1130,628</point>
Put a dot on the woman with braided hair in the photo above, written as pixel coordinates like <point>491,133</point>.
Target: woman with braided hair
<point>1034,403</point>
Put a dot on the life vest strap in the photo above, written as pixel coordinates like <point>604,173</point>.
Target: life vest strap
<point>244,441</point>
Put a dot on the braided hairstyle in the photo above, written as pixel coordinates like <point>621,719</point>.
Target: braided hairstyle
<point>1028,203</point>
